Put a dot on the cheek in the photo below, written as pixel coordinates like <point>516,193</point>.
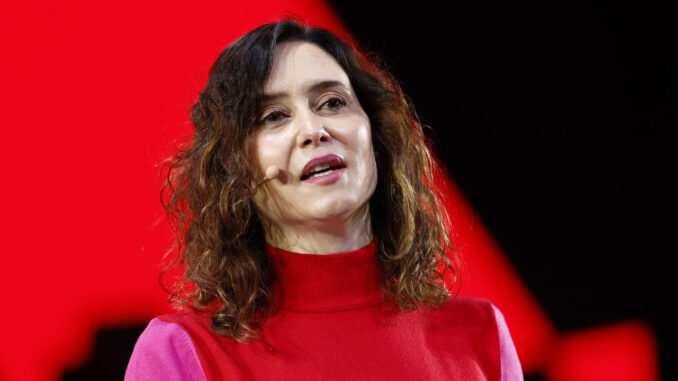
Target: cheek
<point>259,152</point>
<point>372,173</point>
<point>268,151</point>
<point>363,142</point>
<point>372,163</point>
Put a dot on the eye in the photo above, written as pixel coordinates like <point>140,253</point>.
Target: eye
<point>272,117</point>
<point>334,103</point>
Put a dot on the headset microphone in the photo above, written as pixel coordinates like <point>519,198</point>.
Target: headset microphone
<point>272,172</point>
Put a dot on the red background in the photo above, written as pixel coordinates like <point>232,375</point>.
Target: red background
<point>93,96</point>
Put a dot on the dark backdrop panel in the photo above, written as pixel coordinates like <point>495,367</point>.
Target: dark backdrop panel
<point>553,119</point>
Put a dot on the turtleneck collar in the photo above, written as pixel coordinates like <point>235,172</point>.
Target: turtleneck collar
<point>327,282</point>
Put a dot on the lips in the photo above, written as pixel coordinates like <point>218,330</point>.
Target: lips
<point>323,164</point>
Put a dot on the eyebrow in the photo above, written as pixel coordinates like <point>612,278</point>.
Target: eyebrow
<point>313,88</point>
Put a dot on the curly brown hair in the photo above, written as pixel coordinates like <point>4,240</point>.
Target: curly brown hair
<point>208,193</point>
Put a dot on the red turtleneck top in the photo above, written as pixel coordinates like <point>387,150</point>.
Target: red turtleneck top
<point>333,324</point>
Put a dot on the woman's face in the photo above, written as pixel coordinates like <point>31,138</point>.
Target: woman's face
<point>314,130</point>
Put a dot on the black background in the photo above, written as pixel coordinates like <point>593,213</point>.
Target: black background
<point>554,120</point>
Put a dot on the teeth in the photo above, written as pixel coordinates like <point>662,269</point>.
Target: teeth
<point>320,167</point>
<point>321,173</point>
<point>321,170</point>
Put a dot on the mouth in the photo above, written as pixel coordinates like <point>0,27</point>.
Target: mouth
<point>322,166</point>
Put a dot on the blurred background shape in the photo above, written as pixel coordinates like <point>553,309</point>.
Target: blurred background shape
<point>550,121</point>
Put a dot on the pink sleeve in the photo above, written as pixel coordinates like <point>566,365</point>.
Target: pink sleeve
<point>164,351</point>
<point>510,365</point>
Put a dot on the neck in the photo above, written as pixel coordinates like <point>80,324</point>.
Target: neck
<point>326,283</point>
<point>324,236</point>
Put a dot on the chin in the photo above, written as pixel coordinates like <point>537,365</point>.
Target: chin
<point>336,208</point>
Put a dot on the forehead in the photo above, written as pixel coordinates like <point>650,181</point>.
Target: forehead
<point>298,64</point>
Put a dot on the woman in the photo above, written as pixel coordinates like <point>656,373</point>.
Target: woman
<point>313,243</point>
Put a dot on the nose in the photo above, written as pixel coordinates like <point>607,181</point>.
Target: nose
<point>311,129</point>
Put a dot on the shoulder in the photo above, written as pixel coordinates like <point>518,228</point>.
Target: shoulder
<point>467,312</point>
<point>164,351</point>
<point>482,320</point>
<point>510,364</point>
